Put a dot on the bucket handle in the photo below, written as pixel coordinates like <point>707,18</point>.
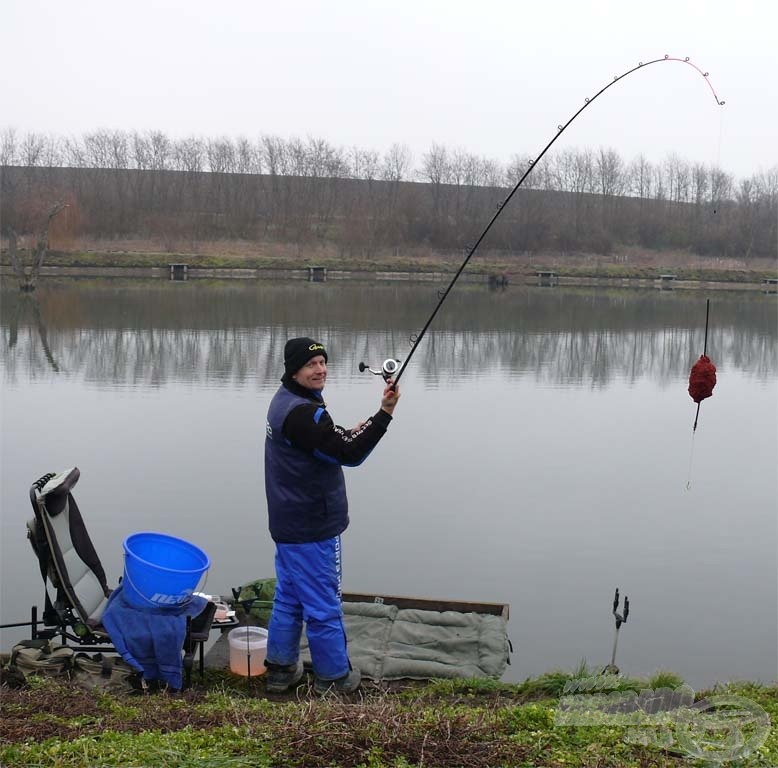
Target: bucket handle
<point>197,588</point>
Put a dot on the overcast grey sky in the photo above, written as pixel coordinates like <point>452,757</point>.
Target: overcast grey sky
<point>492,77</point>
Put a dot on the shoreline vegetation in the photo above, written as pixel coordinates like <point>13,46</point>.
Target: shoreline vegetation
<point>269,260</point>
<point>227,721</point>
<point>126,204</point>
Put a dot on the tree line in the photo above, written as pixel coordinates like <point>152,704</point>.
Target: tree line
<point>122,183</point>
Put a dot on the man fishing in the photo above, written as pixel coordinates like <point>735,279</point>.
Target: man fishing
<point>308,510</point>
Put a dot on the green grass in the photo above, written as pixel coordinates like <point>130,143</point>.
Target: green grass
<point>267,257</point>
<point>448,723</point>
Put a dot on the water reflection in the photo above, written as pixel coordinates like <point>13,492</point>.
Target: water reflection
<point>121,334</point>
<point>27,304</point>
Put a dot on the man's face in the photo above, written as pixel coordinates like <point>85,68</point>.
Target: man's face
<point>313,374</point>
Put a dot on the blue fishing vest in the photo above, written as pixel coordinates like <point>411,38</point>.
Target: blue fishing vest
<point>306,496</point>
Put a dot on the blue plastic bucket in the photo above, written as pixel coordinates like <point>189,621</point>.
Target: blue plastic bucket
<point>161,571</point>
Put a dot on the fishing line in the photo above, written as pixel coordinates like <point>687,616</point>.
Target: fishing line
<point>415,339</point>
<point>721,134</point>
<point>689,471</point>
<point>716,164</point>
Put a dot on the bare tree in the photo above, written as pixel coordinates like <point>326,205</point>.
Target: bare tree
<point>574,173</point>
<point>188,155</point>
<point>640,175</point>
<point>767,191</point>
<point>435,165</point>
<point>298,157</point>
<point>611,183</point>
<point>720,186</point>
<point>364,163</point>
<point>436,170</point>
<point>27,279</point>
<point>32,149</point>
<point>141,152</point>
<point>397,163</point>
<point>493,172</point>
<point>8,147</point>
<point>610,172</point>
<point>98,150</point>
<point>517,167</point>
<point>221,155</point>
<point>118,150</point>
<point>74,153</point>
<point>247,158</point>
<point>160,150</point>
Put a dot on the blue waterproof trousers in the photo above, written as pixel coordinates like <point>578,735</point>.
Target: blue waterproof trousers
<point>308,588</point>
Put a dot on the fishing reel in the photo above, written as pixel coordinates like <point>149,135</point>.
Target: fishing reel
<point>388,368</point>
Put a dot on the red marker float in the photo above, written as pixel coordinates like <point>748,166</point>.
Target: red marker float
<point>702,380</point>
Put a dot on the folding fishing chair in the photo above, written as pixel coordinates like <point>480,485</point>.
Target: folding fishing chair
<point>69,562</point>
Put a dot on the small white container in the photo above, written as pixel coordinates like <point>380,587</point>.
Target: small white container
<point>248,648</point>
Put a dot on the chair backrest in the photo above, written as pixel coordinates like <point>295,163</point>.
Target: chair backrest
<point>65,551</point>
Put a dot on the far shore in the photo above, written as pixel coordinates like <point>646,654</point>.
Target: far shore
<point>243,260</point>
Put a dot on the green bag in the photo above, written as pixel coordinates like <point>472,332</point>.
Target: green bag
<point>42,657</point>
<point>101,672</point>
<point>257,598</point>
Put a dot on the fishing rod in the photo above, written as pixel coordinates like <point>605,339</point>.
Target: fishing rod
<point>398,367</point>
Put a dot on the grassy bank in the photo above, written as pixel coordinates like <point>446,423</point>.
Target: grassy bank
<point>625,265</point>
<point>223,721</point>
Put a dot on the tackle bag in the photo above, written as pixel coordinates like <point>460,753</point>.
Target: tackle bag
<point>99,672</point>
<point>42,657</point>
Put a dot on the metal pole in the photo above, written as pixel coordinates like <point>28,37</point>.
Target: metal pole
<point>615,643</point>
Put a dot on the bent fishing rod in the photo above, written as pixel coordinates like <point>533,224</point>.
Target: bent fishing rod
<point>394,369</point>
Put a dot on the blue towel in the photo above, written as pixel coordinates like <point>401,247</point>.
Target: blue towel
<point>150,640</point>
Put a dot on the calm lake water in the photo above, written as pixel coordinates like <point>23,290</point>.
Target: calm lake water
<point>539,456</point>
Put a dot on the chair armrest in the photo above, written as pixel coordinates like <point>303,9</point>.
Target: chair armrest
<point>201,624</point>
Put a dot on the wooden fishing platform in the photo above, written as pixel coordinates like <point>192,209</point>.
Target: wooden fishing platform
<point>429,604</point>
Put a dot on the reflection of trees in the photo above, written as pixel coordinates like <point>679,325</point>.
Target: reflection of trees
<point>27,305</point>
<point>597,357</point>
<point>152,334</point>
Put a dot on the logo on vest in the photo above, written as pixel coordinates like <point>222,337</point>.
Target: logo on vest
<point>269,430</point>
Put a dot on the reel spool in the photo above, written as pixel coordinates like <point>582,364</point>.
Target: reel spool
<point>388,370</point>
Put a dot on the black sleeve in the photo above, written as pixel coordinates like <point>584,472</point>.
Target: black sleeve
<point>311,429</point>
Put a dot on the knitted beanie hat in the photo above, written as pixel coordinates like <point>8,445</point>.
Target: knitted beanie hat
<point>298,352</point>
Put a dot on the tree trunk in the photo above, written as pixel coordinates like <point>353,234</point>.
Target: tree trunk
<point>16,260</point>
<point>27,281</point>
